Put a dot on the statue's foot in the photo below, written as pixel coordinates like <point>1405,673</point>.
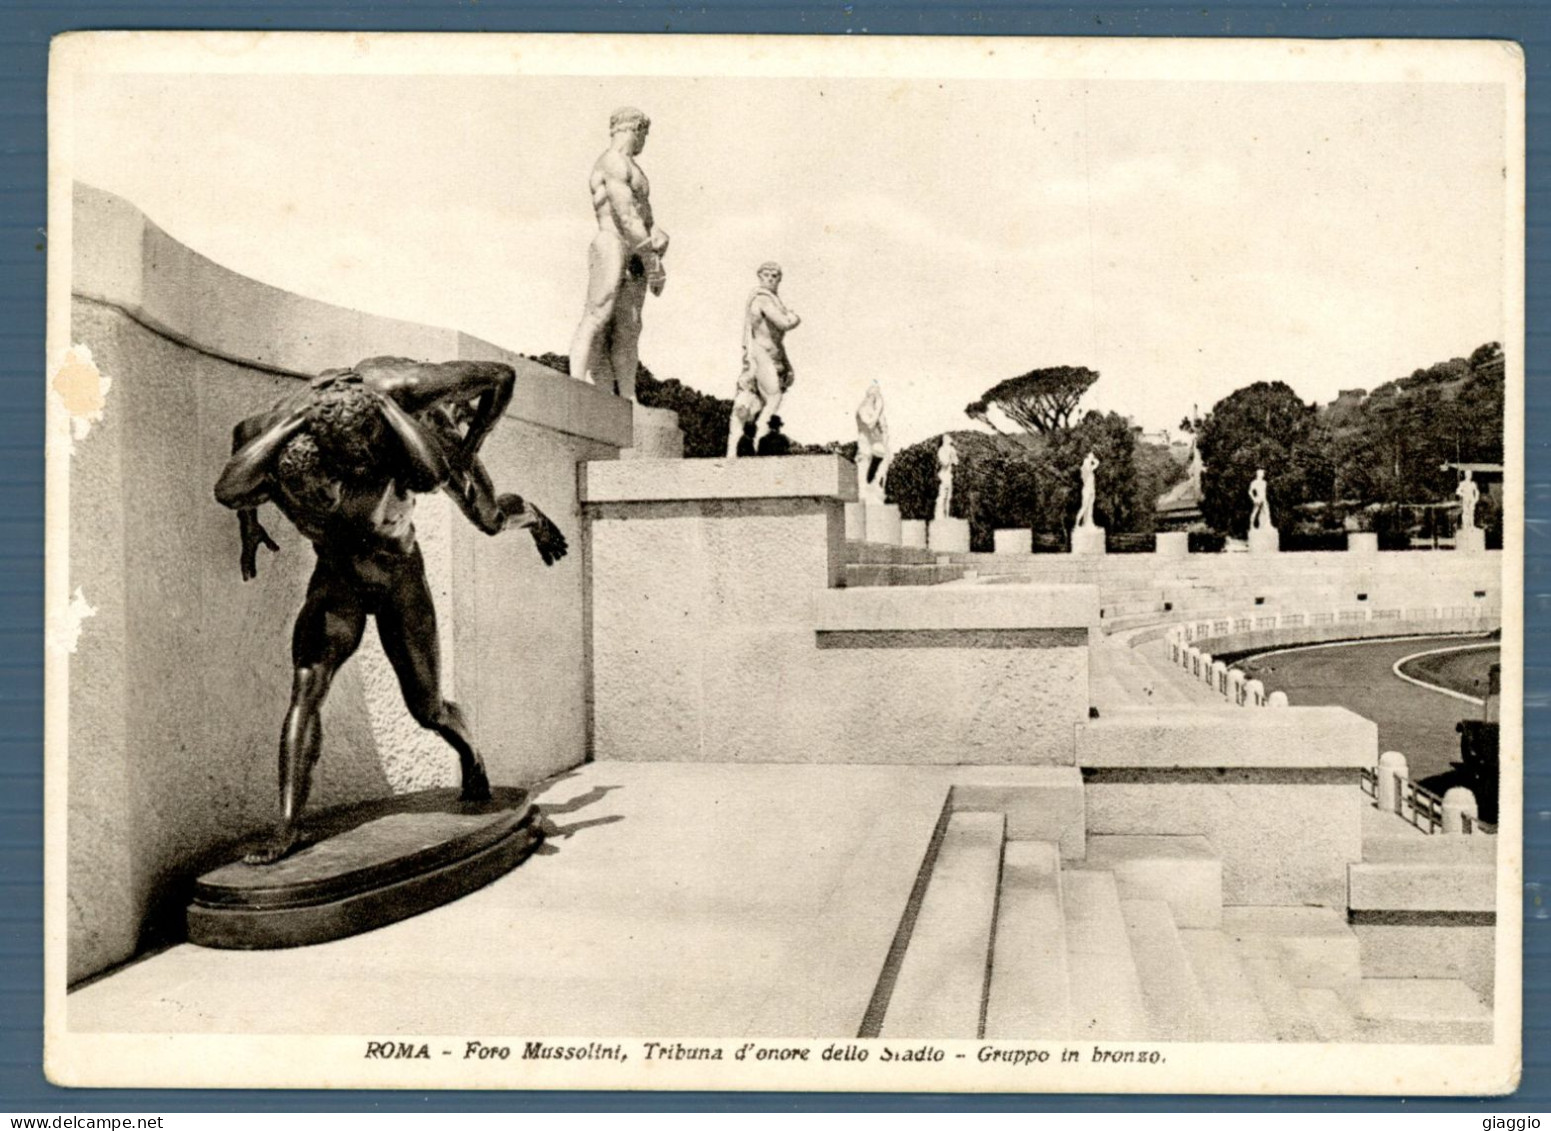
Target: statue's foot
<point>476,784</point>
<point>282,844</point>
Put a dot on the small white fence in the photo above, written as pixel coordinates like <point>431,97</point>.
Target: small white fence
<point>1388,783</point>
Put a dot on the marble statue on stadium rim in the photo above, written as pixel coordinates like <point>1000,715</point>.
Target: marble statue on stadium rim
<point>1469,495</point>
<point>872,447</point>
<point>947,460</point>
<point>623,263</point>
<point>767,371</point>
<point>1260,505</point>
<point>1088,537</point>
<point>1090,464</point>
<point>343,460</point>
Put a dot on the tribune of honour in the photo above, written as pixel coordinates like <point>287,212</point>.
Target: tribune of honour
<point>623,262</point>
<point>767,371</point>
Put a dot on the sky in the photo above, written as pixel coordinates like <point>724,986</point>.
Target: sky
<point>1182,238</point>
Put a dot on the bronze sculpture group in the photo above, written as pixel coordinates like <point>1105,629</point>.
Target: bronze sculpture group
<point>343,460</point>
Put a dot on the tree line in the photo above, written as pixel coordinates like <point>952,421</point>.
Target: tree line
<point>1371,461</point>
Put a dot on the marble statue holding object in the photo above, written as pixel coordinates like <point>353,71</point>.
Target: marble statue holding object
<point>1260,505</point>
<point>872,446</point>
<point>767,371</point>
<point>1264,538</point>
<point>343,460</point>
<point>947,460</point>
<point>623,262</point>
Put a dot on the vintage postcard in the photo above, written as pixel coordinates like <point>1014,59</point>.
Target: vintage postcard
<point>789,564</point>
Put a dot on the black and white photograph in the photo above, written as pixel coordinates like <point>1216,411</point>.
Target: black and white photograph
<point>764,563</point>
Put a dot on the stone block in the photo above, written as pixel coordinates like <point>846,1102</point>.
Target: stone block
<point>912,532</point>
<point>1470,540</point>
<point>1182,871</point>
<point>1041,803</point>
<point>856,522</point>
<point>1172,544</point>
<point>1088,541</point>
<point>881,521</point>
<point>1362,542</point>
<point>723,480</point>
<point>1265,540</point>
<point>949,535</point>
<point>1425,887</point>
<point>1014,541</point>
<point>955,608</point>
<point>655,434</point>
<point>1242,779</point>
<point>1203,737</point>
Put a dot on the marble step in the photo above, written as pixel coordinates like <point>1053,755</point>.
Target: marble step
<point>1176,1007</point>
<point>1432,1011</point>
<point>1106,991</point>
<point>877,553</point>
<point>1315,945</point>
<point>941,987</point>
<point>877,576</point>
<point>1030,994</point>
<point>1279,997</point>
<point>1331,1016</point>
<point>1183,871</point>
<point>1234,1010</point>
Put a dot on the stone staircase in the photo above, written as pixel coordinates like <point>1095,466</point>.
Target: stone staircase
<point>1133,943</point>
<point>871,564</point>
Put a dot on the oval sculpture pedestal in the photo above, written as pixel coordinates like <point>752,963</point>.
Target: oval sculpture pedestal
<point>364,866</point>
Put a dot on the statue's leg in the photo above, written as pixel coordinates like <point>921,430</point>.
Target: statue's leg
<point>328,631</point>
<point>406,624</point>
<point>769,380</point>
<point>605,267</point>
<point>625,347</point>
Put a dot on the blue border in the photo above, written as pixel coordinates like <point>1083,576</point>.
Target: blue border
<point>25,29</point>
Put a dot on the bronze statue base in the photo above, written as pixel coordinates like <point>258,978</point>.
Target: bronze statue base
<point>365,866</point>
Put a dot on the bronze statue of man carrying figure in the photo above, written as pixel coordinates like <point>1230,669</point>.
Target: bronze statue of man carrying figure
<point>343,461</point>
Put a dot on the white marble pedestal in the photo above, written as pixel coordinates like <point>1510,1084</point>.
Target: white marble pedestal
<point>882,523</point>
<point>949,535</point>
<point>1019,540</point>
<point>1265,540</point>
<point>1088,540</point>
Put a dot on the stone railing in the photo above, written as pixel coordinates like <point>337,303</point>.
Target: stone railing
<point>1242,631</point>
